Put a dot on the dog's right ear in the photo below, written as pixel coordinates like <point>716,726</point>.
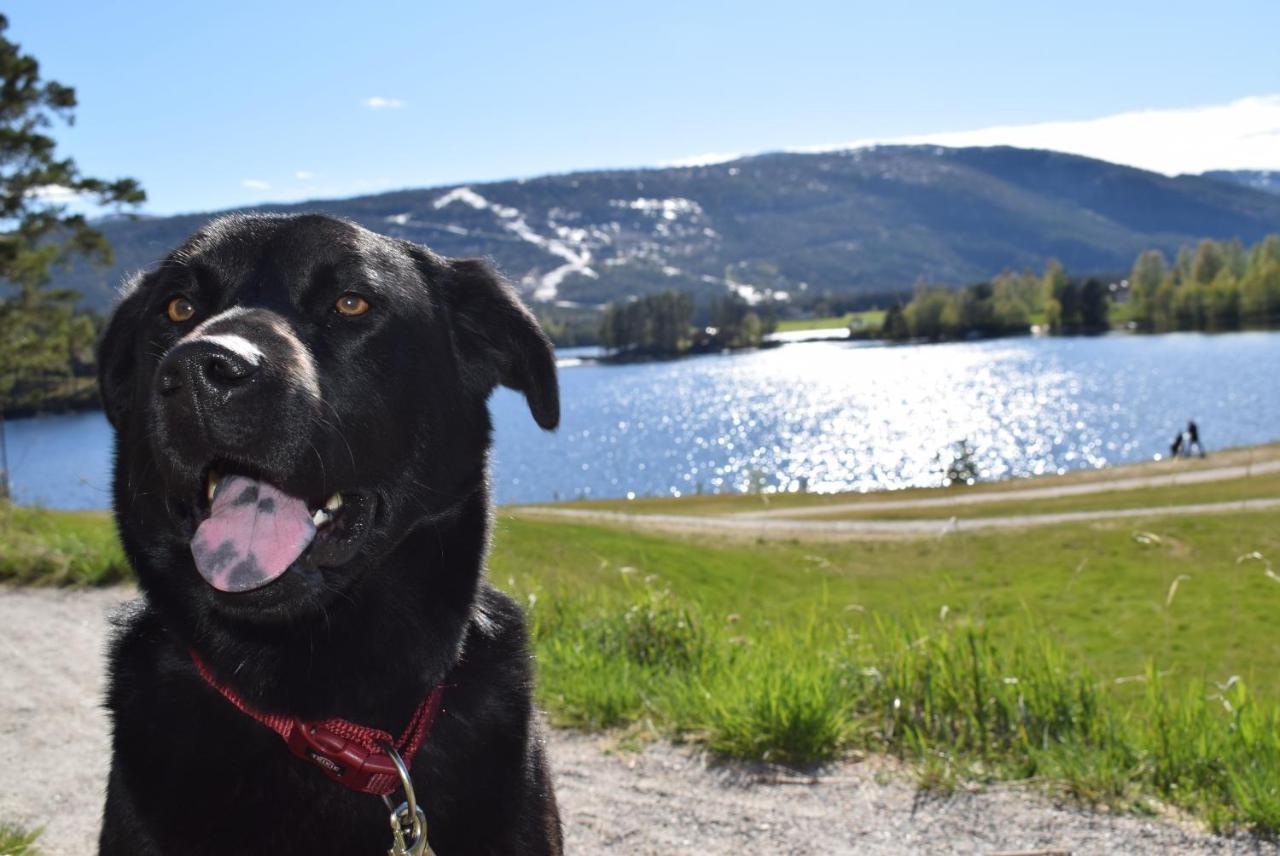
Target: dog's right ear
<point>117,352</point>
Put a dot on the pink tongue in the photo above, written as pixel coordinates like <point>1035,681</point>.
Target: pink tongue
<point>254,533</point>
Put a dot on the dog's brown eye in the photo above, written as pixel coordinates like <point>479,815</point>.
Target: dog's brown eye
<point>181,309</point>
<point>352,304</point>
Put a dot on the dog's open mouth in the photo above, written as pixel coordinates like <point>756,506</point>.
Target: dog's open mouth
<point>252,532</point>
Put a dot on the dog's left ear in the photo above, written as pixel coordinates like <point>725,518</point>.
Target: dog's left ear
<point>499,338</point>
<point>116,353</point>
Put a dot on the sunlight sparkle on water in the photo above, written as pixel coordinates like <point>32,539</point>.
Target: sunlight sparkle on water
<point>839,416</point>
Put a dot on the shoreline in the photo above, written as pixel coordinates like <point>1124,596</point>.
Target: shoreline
<point>773,341</point>
<point>1071,481</point>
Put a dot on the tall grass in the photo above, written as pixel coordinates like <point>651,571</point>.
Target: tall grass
<point>957,702</point>
<point>17,842</point>
<point>43,547</point>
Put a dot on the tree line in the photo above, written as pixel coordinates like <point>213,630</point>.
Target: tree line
<point>1217,285</point>
<point>663,324</point>
<point>1006,305</point>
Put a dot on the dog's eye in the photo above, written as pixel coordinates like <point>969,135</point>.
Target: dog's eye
<point>180,309</point>
<point>352,304</point>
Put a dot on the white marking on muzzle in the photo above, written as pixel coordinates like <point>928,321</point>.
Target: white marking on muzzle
<point>238,345</point>
<point>303,374</point>
<point>226,315</point>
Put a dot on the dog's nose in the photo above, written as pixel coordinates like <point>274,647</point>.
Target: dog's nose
<point>207,368</point>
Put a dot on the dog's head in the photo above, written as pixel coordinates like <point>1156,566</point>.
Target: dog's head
<point>292,396</point>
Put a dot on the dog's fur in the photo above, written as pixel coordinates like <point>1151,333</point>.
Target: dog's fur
<point>390,408</point>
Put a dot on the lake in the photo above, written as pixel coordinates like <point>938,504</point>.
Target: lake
<point>822,416</point>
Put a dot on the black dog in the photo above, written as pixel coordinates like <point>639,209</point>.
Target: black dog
<point>300,483</point>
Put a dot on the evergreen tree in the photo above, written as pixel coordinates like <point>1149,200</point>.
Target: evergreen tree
<point>42,338</point>
<point>894,325</point>
<point>1095,303</point>
<point>1072,308</point>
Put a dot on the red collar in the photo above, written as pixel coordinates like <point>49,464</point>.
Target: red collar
<point>350,754</point>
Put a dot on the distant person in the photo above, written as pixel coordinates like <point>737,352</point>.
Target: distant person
<point>1193,438</point>
<point>1175,448</point>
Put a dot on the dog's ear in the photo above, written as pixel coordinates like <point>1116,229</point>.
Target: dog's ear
<point>500,340</point>
<point>117,352</point>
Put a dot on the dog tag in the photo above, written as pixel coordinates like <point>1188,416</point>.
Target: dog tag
<point>409,834</point>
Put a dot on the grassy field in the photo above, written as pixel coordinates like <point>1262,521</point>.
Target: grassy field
<point>870,319</point>
<point>1122,662</point>
<point>1101,591</point>
<point>1117,662</point>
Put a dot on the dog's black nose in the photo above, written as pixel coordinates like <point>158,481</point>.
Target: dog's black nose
<point>207,368</point>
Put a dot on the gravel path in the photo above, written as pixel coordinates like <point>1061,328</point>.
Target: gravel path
<point>841,530</point>
<point>660,800</point>
<point>1173,478</point>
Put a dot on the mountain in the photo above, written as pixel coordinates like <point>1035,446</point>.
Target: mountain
<point>865,220</point>
<point>1259,179</point>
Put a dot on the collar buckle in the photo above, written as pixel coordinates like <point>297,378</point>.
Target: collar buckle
<point>344,760</point>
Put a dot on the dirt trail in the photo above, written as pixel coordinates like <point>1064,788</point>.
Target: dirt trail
<point>661,800</point>
<point>792,523</point>
<point>846,530</point>
<point>1170,479</point>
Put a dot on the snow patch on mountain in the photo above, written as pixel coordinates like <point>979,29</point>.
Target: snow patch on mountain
<point>667,209</point>
<point>461,194</point>
<point>754,296</point>
<point>546,286</point>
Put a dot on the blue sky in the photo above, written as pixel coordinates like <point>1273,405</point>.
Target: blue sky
<point>218,105</point>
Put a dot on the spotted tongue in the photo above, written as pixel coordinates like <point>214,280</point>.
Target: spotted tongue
<point>255,531</point>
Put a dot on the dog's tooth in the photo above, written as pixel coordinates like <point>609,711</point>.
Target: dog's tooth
<point>334,502</point>
<point>320,518</point>
<point>211,486</point>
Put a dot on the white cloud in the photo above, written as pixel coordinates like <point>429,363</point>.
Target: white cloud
<point>1241,134</point>
<point>53,193</point>
<point>304,175</point>
<point>377,102</point>
<point>707,159</point>
<point>256,184</point>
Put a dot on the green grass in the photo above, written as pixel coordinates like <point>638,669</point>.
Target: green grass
<point>1099,589</point>
<point>17,842</point>
<point>1122,313</point>
<point>959,700</point>
<point>38,546</point>
<point>871,319</point>
<point>1124,663</point>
